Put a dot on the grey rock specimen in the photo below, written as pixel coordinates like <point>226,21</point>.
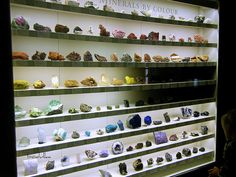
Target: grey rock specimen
<point>90,154</point>
<point>88,56</point>
<point>85,108</point>
<point>75,135</point>
<point>168,157</point>
<point>123,168</point>
<point>186,152</point>
<point>50,165</point>
<point>105,173</point>
<point>159,160</point>
<point>24,141</point>
<point>126,58</point>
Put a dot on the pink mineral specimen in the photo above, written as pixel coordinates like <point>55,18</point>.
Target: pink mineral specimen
<point>118,34</point>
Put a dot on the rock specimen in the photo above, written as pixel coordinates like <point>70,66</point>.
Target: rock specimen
<point>204,130</point>
<point>123,168</point>
<point>61,28</point>
<point>21,84</point>
<point>205,113</point>
<point>148,143</point>
<point>104,153</point>
<point>39,84</point>
<point>176,119</point>
<point>73,3</point>
<point>130,148</point>
<point>126,103</point>
<point>139,146</point>
<point>137,58</point>
<point>143,37</point>
<point>146,13</point>
<point>77,30</point>
<point>117,106</point>
<point>172,37</point>
<point>24,141</point>
<point>196,114</point>
<point>157,58</point>
<point>90,154</point>
<point>117,147</point>
<point>100,58</point>
<point>184,135</point>
<point>150,161</point>
<point>153,36</point>
<point>19,112</point>
<point>186,112</point>
<point>73,56</point>
<point>160,137</point>
<point>159,160</point>
<point>55,56</point>
<point>100,132</point>
<point>132,36</point>
<point>181,39</point>
<point>54,107</point>
<point>199,18</point>
<point>126,58</point>
<point>147,58</point>
<point>186,152</point>
<point>118,34</point>
<point>87,133</point>
<point>20,55</point>
<point>130,80</point>
<point>148,120</point>
<point>168,157</point>
<point>133,121</point>
<point>134,12</point>
<point>71,83</point>
<point>39,56</point>
<point>139,80</point>
<point>138,165</point>
<point>117,81</point>
<point>41,136</point>
<point>186,59</point>
<point>30,166</point>
<point>20,23</point>
<point>114,57</point>
<point>173,137</point>
<point>85,108</point>
<point>65,161</point>
<point>89,81</point>
<point>194,134</point>
<point>105,173</point>
<point>108,8</point>
<point>201,149</point>
<point>199,39</point>
<point>90,5</point>
<point>167,117</point>
<point>178,155</point>
<point>73,111</point>
<point>59,135</point>
<point>157,122</point>
<point>121,125</point>
<point>195,150</point>
<point>41,28</point>
<point>110,128</point>
<point>50,165</point>
<point>163,37</point>
<point>98,108</point>
<point>75,135</point>
<point>103,31</point>
<point>172,17</point>
<point>88,56</point>
<point>175,57</point>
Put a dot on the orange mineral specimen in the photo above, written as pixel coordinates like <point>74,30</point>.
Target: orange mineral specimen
<point>20,55</point>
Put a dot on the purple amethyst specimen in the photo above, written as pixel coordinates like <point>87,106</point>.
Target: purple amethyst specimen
<point>160,137</point>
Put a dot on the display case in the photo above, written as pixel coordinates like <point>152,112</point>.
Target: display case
<point>114,88</point>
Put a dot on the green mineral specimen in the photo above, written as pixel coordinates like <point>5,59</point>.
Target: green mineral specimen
<point>35,112</point>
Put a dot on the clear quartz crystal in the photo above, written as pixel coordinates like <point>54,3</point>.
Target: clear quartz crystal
<point>55,81</point>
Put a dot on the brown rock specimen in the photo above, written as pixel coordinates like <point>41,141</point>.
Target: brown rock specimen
<point>143,37</point>
<point>55,56</point>
<point>61,29</point>
<point>181,39</point>
<point>73,56</point>
<point>137,58</point>
<point>147,58</point>
<point>132,36</point>
<point>157,58</point>
<point>153,36</point>
<point>117,82</point>
<point>39,56</point>
<point>100,58</point>
<point>114,57</point>
<point>204,58</point>
<point>173,137</point>
<point>89,81</point>
<point>103,31</point>
<point>71,83</point>
<point>20,55</point>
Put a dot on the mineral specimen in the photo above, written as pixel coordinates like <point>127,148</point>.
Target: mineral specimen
<point>73,56</point>
<point>20,23</point>
<point>104,153</point>
<point>73,3</point>
<point>186,152</point>
<point>178,155</point>
<point>55,81</point>
<point>196,114</point>
<point>194,134</point>
<point>108,8</point>
<point>199,38</point>
<point>71,83</point>
<point>75,135</point>
<point>59,135</point>
<point>39,84</point>
<point>176,119</point>
<point>91,5</point>
<point>199,18</point>
<point>105,173</point>
<point>65,161</point>
<point>88,56</point>
<point>123,169</point>
<point>114,57</point>
<point>103,31</point>
<point>150,161</point>
<point>186,59</point>
<point>89,81</point>
<point>143,37</point>
<point>175,57</point>
<point>126,58</point>
<point>147,13</point>
<point>90,154</point>
<point>109,107</point>
<point>168,157</point>
<point>30,166</point>
<point>201,149</point>
<point>172,17</point>
<point>147,58</point>
<point>205,113</point>
<point>54,107</point>
<point>117,106</point>
<point>41,28</point>
<point>72,110</point>
<point>157,122</point>
<point>157,58</point>
<point>117,148</point>
<point>100,58</point>
<point>139,146</point>
<point>204,130</point>
<point>160,137</point>
<point>195,150</point>
<point>148,120</point>
<point>167,117</point>
<point>85,108</point>
<point>159,160</point>
<point>50,165</point>
<point>20,55</point>
<point>100,132</point>
<point>121,125</point>
<point>163,38</point>
<point>138,165</point>
<point>130,148</point>
<point>90,31</point>
<point>173,137</point>
<point>133,121</point>
<point>186,112</point>
<point>153,36</point>
<point>117,82</point>
<point>190,39</point>
<point>181,39</point>
<point>132,36</point>
<point>24,141</point>
<point>98,108</point>
<point>148,143</point>
<point>184,135</point>
<point>19,112</point>
<point>41,136</point>
<point>137,58</point>
<point>130,80</point>
<point>110,128</point>
<point>118,34</point>
<point>139,103</point>
<point>134,12</point>
<point>77,30</point>
<point>55,56</point>
<point>61,28</point>
<point>87,133</point>
<point>171,37</point>
<point>126,103</point>
<point>21,84</point>
<point>39,56</point>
